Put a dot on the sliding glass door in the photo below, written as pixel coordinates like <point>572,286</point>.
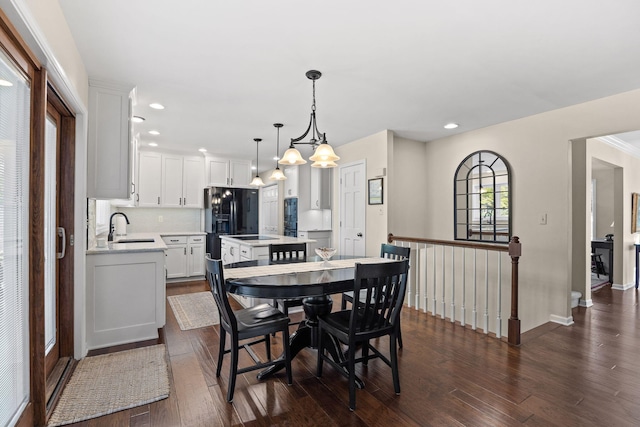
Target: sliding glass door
<point>14,240</point>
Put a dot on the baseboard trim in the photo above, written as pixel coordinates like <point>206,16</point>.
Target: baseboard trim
<point>585,302</point>
<point>565,321</point>
<point>618,287</point>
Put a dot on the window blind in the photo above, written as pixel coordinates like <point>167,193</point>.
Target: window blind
<point>14,250</point>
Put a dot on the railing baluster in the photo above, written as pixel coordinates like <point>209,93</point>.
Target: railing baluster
<point>499,318</point>
<point>474,314</point>
<point>433,300</point>
<point>486,292</point>
<point>425,291</point>
<point>444,276</point>
<point>453,284</point>
<point>464,287</point>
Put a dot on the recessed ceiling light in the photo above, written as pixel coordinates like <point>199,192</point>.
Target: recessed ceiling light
<point>137,119</point>
<point>156,106</point>
<point>276,158</point>
<point>4,82</point>
<point>253,168</point>
<point>154,132</point>
<point>153,144</point>
<point>451,126</point>
<point>202,150</point>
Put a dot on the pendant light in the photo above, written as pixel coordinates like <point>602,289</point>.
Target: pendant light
<point>324,157</point>
<point>277,174</point>
<point>257,181</point>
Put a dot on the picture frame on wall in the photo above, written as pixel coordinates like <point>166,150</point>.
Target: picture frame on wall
<point>635,215</point>
<point>375,191</point>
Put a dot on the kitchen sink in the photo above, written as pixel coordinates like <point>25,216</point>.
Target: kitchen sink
<point>135,241</point>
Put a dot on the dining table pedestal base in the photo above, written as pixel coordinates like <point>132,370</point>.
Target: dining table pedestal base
<point>307,335</point>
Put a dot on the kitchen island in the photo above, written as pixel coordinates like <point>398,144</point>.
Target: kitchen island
<point>248,247</point>
<point>125,294</point>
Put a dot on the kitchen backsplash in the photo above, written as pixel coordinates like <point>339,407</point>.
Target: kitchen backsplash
<point>147,220</point>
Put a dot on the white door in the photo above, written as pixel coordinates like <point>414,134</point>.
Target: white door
<point>352,208</point>
<point>269,209</point>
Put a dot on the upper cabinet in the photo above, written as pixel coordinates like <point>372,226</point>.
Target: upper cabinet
<point>291,183</point>
<point>320,188</point>
<point>170,180</point>
<point>149,179</point>
<point>228,172</point>
<point>109,145</point>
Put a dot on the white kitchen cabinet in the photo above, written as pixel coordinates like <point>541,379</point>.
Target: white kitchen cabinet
<point>109,139</point>
<point>249,253</point>
<point>291,183</point>
<point>125,297</point>
<point>185,256</point>
<point>172,184</point>
<point>228,172</point>
<point>230,252</point>
<point>182,181</point>
<point>149,179</point>
<point>195,256</point>
<point>170,180</point>
<point>193,182</point>
<point>322,240</point>
<point>320,188</point>
<point>176,256</point>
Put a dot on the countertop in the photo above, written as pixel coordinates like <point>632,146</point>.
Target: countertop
<point>115,247</point>
<point>275,240</point>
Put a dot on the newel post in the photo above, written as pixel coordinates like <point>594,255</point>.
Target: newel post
<point>515,251</point>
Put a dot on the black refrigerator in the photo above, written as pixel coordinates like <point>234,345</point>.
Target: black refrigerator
<point>229,211</point>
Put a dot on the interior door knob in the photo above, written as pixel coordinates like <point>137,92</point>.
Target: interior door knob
<point>359,234</point>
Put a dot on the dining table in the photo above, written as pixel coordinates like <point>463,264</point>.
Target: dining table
<point>312,279</point>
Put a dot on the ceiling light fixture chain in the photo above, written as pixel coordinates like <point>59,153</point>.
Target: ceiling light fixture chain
<point>324,157</point>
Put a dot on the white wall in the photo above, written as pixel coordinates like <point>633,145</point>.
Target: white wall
<point>374,149</point>
<point>603,177</point>
<point>538,149</point>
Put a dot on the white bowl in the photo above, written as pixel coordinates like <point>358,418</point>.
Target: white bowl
<point>326,253</point>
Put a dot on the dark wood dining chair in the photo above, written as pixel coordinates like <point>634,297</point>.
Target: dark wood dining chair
<point>384,286</point>
<point>386,251</point>
<point>245,324</point>
<point>284,253</point>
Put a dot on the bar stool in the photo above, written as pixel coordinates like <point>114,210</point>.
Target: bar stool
<point>597,265</point>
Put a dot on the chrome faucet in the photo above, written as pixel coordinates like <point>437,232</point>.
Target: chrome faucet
<point>111,227</point>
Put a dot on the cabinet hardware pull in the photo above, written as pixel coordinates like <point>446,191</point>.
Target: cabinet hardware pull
<point>158,199</point>
<point>185,201</point>
<point>191,251</point>
<point>185,251</point>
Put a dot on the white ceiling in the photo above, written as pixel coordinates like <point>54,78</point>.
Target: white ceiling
<point>227,70</point>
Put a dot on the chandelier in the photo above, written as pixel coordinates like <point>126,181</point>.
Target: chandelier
<point>324,157</point>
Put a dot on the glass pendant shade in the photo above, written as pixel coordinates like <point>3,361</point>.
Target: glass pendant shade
<point>324,164</point>
<point>292,157</point>
<point>257,181</point>
<point>277,175</point>
<point>324,153</point>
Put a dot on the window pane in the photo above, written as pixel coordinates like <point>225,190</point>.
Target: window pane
<point>50,142</point>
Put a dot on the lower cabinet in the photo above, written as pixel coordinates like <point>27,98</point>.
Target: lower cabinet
<point>125,297</point>
<point>322,240</point>
<point>185,256</point>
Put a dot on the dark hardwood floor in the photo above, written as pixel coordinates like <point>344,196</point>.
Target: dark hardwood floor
<point>587,374</point>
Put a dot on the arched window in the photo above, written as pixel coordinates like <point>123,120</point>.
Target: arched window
<point>482,202</point>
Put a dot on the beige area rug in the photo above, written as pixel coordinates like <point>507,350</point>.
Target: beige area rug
<point>113,382</point>
<point>195,310</point>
